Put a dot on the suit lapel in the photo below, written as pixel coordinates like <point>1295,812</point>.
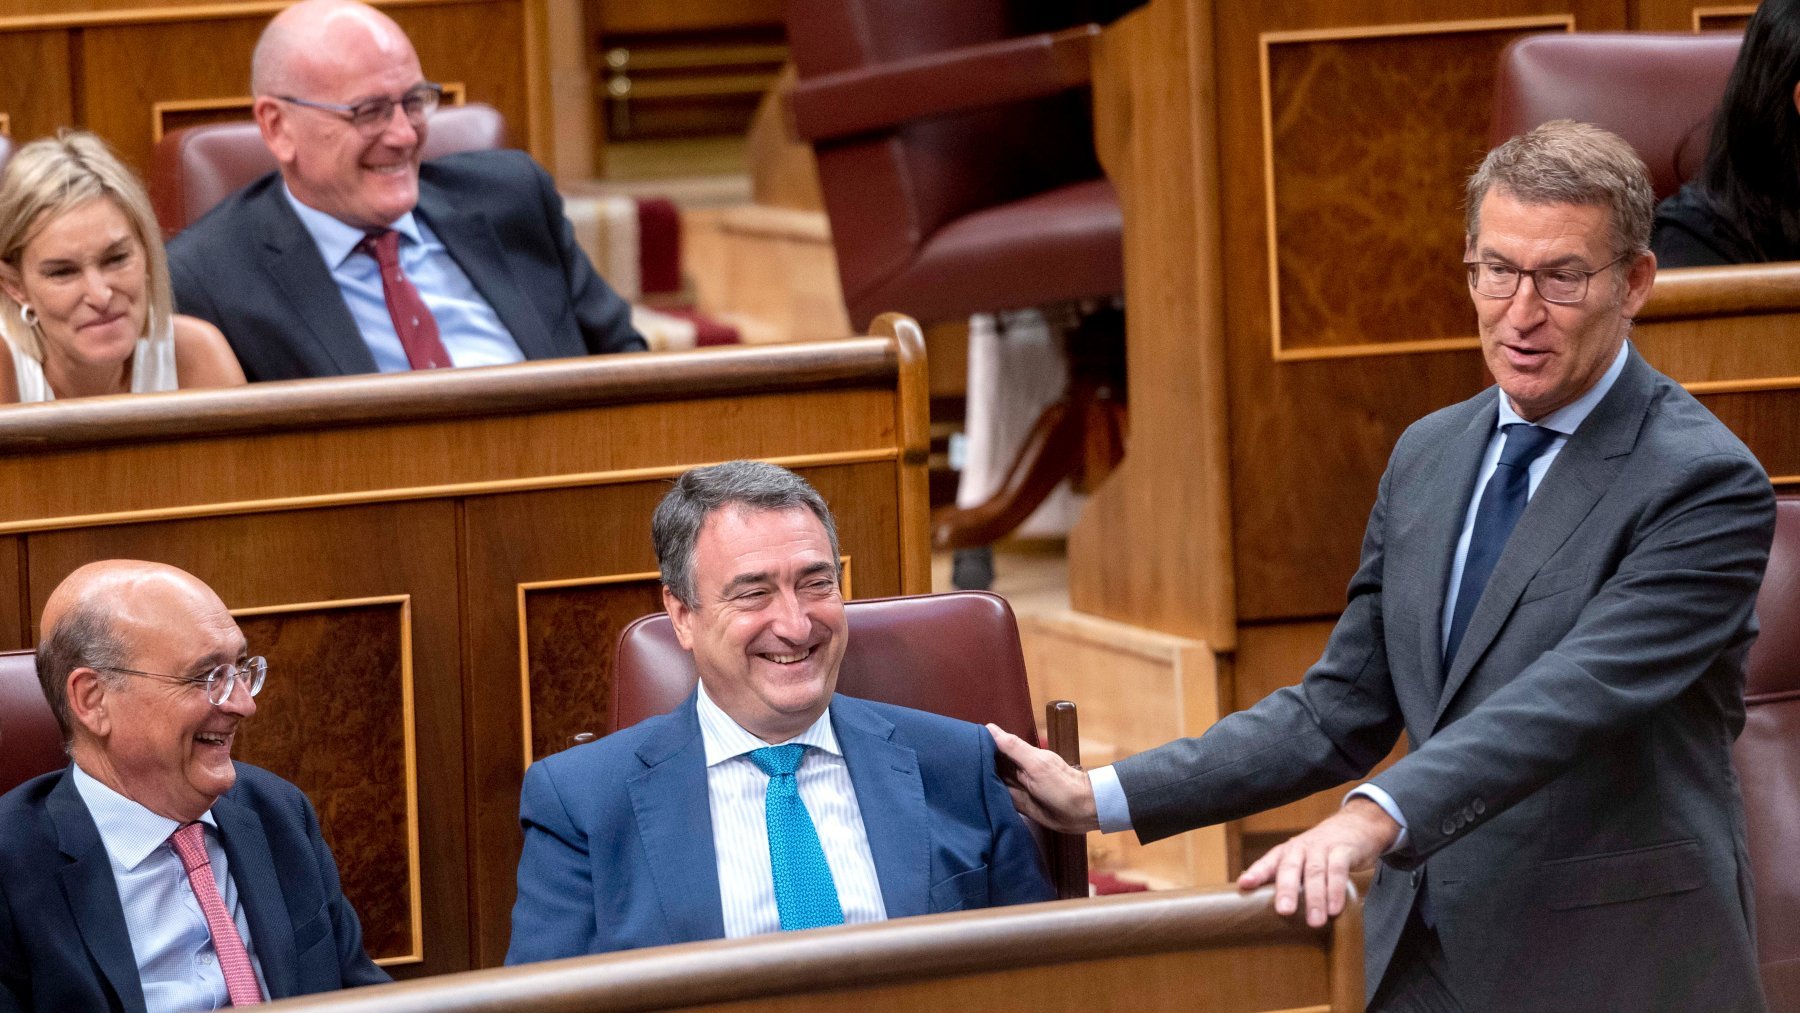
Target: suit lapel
<point>471,241</point>
<point>252,868</point>
<point>87,882</point>
<point>1457,467</point>
<point>292,258</point>
<point>674,823</point>
<point>891,796</point>
<point>1582,472</point>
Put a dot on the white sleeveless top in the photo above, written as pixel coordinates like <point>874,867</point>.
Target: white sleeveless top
<point>152,369</point>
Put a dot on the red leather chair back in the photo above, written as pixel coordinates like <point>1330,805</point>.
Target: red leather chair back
<point>1767,757</point>
<point>953,654</point>
<point>30,742</point>
<point>1656,90</point>
<point>193,169</point>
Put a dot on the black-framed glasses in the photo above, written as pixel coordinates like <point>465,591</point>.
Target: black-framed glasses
<point>218,682</point>
<point>1553,284</point>
<point>372,116</point>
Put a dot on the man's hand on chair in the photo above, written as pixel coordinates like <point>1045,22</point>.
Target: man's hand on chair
<point>1049,791</point>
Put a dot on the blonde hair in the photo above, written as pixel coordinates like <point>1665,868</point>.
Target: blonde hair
<point>47,179</point>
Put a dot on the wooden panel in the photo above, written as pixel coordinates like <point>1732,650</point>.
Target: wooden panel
<point>16,622</point>
<point>332,716</point>
<point>34,84</point>
<point>1687,16</point>
<point>660,16</point>
<point>569,629</point>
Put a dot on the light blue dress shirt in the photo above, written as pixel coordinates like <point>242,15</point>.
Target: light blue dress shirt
<point>177,966</point>
<point>1109,795</point>
<point>469,328</point>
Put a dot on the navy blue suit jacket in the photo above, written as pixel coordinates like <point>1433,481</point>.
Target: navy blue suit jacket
<point>619,845</point>
<point>251,268</point>
<point>63,941</point>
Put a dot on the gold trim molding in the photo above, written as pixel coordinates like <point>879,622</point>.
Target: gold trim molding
<point>1700,14</point>
<point>186,12</point>
<point>409,750</point>
<point>1265,41</point>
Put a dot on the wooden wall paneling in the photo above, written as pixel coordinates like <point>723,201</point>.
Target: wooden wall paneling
<point>17,623</point>
<point>659,16</point>
<point>495,48</point>
<point>1688,16</point>
<point>545,613</point>
<point>338,688</point>
<point>34,84</point>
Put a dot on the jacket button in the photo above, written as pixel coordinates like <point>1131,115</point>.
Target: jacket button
<point>1449,826</point>
<point>1480,807</point>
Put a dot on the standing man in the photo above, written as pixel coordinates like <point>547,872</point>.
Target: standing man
<point>153,874</point>
<point>1555,605</point>
<point>765,802</point>
<point>355,258</point>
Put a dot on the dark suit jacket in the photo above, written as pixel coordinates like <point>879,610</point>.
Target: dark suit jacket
<point>1568,791</point>
<point>63,941</point>
<point>619,846</point>
<point>251,268</point>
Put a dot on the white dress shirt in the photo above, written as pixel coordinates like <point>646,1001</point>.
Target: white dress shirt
<point>469,328</point>
<point>1109,794</point>
<point>737,787</point>
<point>176,964</point>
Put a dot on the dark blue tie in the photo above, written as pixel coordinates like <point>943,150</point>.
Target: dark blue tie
<point>805,893</point>
<point>1501,504</point>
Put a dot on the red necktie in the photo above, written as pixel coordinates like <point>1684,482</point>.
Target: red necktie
<point>413,321</point>
<point>240,977</point>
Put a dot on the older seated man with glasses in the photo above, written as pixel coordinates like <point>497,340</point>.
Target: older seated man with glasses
<point>357,258</point>
<point>154,873</point>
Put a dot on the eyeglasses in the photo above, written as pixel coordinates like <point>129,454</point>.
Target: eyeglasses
<point>372,117</point>
<point>219,682</point>
<point>1553,284</point>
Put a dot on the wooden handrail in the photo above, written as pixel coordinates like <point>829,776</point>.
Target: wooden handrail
<point>1737,290</point>
<point>443,394</point>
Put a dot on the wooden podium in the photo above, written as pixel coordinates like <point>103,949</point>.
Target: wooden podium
<point>1291,176</point>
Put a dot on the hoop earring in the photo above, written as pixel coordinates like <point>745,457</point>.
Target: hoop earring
<point>28,315</point>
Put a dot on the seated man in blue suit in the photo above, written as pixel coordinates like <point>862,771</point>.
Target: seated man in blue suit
<point>764,802</point>
<point>153,874</point>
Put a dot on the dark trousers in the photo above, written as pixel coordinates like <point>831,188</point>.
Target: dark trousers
<point>1416,978</point>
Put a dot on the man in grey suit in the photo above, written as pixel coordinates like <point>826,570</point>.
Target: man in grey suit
<point>1554,602</point>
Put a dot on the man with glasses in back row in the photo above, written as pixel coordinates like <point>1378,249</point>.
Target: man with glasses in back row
<point>1555,604</point>
<point>354,257</point>
<point>154,874</point>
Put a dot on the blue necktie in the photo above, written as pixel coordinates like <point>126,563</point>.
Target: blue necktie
<point>1501,504</point>
<point>804,891</point>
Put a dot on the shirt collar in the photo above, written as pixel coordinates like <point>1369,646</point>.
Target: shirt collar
<point>336,240</point>
<point>129,831</point>
<point>1569,417</point>
<point>725,739</point>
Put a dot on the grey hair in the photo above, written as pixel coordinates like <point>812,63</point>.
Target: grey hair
<point>84,638</point>
<point>700,492</point>
<point>1564,162</point>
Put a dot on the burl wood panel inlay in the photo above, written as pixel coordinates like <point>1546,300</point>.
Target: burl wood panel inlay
<point>1370,142</point>
<point>306,724</point>
<point>569,634</point>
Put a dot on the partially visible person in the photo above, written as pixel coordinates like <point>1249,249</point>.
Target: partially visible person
<point>85,303</point>
<point>1744,207</point>
<point>153,874</point>
<point>354,257</point>
<point>767,801</point>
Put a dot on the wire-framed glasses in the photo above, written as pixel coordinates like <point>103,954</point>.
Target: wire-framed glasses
<point>218,682</point>
<point>371,117</point>
<point>1553,284</point>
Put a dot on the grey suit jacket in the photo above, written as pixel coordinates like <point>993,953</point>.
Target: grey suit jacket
<point>1568,791</point>
<point>251,268</point>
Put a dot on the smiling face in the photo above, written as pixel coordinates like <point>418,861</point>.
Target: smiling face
<point>1545,355</point>
<point>84,273</point>
<point>345,56</point>
<point>162,743</point>
<point>767,630</point>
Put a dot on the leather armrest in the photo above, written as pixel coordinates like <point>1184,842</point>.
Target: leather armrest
<point>887,95</point>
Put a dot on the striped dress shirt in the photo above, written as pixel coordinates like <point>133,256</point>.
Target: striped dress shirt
<point>736,788</point>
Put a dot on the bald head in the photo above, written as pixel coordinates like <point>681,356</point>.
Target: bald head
<point>300,49</point>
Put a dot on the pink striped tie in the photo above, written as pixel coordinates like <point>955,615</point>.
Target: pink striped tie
<point>240,977</point>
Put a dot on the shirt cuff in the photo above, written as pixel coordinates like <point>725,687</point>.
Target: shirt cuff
<point>1109,800</point>
<point>1387,804</point>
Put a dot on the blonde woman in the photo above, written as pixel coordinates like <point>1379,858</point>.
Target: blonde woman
<point>85,306</point>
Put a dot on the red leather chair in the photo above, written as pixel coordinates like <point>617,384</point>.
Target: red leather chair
<point>956,159</point>
<point>952,654</point>
<point>195,168</point>
<point>1656,90</point>
<point>30,742</point>
<point>1767,758</point>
